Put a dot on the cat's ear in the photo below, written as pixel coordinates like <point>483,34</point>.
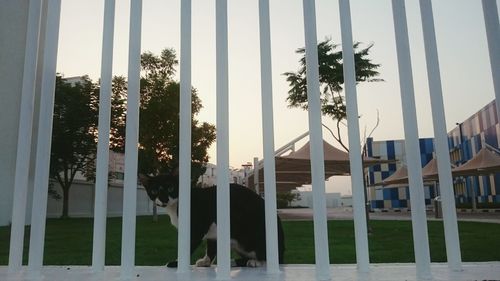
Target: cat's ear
<point>144,179</point>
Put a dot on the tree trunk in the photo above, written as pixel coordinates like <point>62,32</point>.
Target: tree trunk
<point>65,202</point>
<point>367,208</point>
<point>367,203</point>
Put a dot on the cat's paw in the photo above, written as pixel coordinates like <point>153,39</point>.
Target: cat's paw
<point>255,263</point>
<point>204,262</point>
<point>172,264</point>
<point>241,262</point>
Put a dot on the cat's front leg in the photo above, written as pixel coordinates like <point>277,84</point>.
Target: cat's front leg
<point>194,244</point>
<point>204,262</point>
<point>209,257</point>
<point>255,263</point>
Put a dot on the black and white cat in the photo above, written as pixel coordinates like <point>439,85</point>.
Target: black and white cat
<point>248,235</point>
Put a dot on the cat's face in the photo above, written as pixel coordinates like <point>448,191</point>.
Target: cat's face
<point>162,189</point>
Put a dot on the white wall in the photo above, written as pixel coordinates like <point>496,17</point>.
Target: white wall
<point>13,18</point>
<point>333,200</point>
<point>346,201</point>
<point>81,201</point>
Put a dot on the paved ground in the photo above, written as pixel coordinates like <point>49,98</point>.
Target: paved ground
<point>347,214</point>
<point>378,272</point>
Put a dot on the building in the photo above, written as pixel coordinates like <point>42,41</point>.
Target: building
<point>209,178</point>
<point>82,192</point>
<point>480,130</point>
<point>74,80</point>
<point>333,200</point>
<point>394,197</point>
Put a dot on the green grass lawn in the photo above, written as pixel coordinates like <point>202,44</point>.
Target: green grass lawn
<point>69,242</point>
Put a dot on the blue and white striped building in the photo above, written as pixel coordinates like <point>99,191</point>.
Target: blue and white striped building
<point>464,142</point>
<point>396,197</point>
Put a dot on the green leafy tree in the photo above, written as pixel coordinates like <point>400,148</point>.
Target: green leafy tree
<point>285,199</point>
<point>118,114</point>
<point>74,133</point>
<point>331,78</point>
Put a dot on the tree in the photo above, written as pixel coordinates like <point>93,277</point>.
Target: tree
<point>284,199</point>
<point>117,126</point>
<point>74,140</point>
<point>74,132</point>
<point>118,114</point>
<point>159,119</point>
<point>331,78</point>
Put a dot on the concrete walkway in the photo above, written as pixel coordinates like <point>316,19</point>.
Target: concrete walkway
<point>378,272</point>
<point>347,214</point>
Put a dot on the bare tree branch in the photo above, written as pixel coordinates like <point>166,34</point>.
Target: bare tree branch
<point>339,140</point>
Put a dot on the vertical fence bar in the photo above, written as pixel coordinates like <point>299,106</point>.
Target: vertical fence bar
<point>358,194</point>
<point>101,184</point>
<point>441,138</point>
<point>184,256</point>
<point>132,137</point>
<point>272,259</point>
<point>222,89</point>
<point>412,149</point>
<point>316,140</point>
<point>492,25</point>
<point>24,137</point>
<point>42,162</point>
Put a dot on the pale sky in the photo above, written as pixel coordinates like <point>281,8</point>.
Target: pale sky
<point>461,39</point>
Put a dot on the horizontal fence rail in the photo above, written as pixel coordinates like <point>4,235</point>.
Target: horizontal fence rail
<point>323,269</point>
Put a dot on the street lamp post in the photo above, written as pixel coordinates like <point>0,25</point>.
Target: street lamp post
<point>460,145</point>
<point>246,167</point>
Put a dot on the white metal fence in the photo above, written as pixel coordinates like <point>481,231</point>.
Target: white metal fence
<point>421,244</point>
